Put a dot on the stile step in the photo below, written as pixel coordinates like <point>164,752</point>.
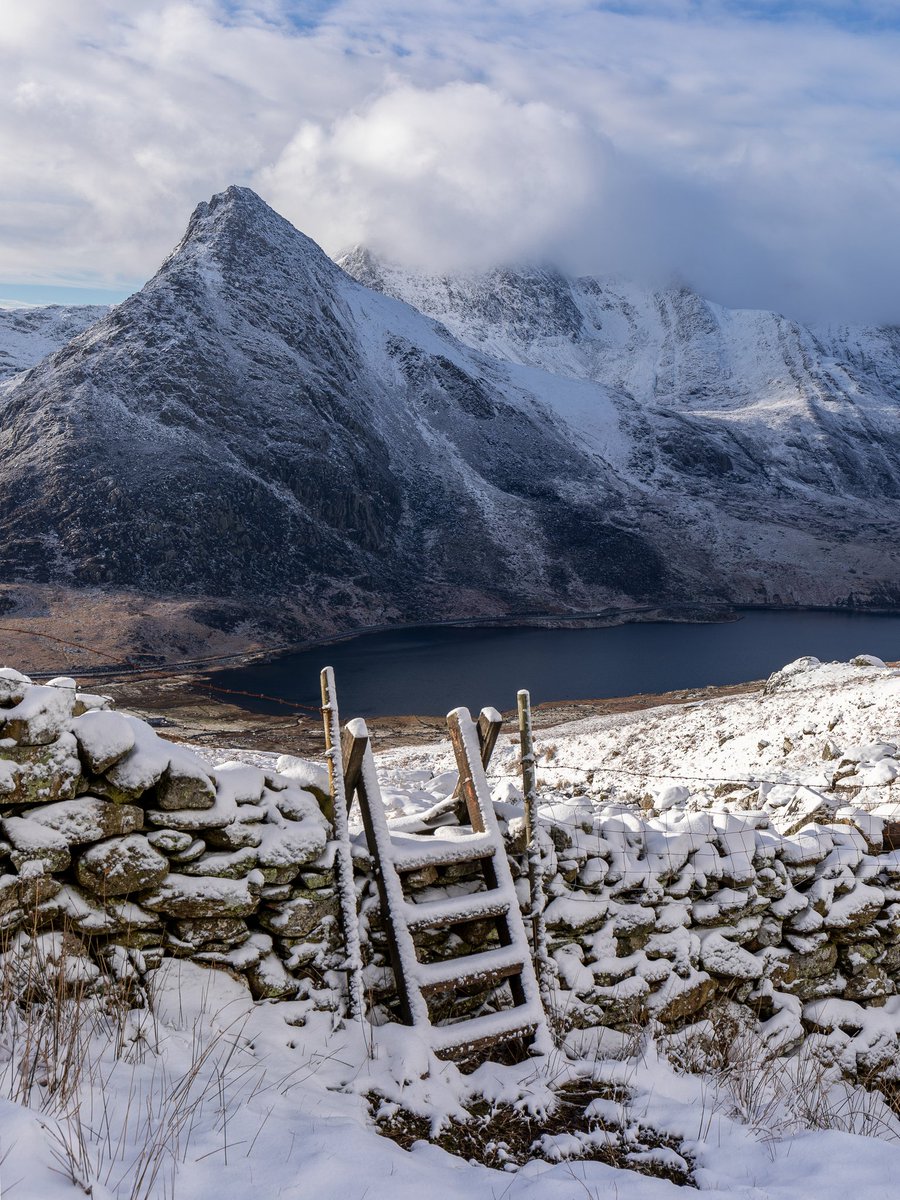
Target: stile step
<point>488,967</point>
<point>491,1029</point>
<point>455,910</point>
<point>412,852</point>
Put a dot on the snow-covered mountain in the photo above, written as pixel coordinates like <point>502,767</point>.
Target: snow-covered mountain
<point>28,334</point>
<point>730,415</point>
<point>256,424</point>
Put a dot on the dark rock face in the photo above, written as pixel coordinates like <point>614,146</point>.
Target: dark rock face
<point>257,426</point>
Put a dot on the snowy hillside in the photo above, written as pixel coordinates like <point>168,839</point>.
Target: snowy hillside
<point>206,1094</point>
<point>29,334</point>
<point>256,426</point>
<point>831,727</point>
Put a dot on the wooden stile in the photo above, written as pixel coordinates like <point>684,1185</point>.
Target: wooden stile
<point>397,853</point>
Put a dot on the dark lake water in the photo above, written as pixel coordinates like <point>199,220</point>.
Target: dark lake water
<point>429,671</point>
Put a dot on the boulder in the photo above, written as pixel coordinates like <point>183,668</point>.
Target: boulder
<point>40,717</point>
<point>270,980</point>
<point>40,774</point>
<point>221,931</point>
<point>201,896</point>
<point>224,866</point>
<point>88,819</point>
<point>679,998</point>
<point>121,865</point>
<point>170,841</point>
<point>104,738</point>
<point>20,894</point>
<point>721,957</point>
<point>298,917</point>
<point>180,788</point>
<point>32,842</point>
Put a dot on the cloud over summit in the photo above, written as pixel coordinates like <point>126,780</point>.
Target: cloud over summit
<point>752,149</point>
<point>451,177</point>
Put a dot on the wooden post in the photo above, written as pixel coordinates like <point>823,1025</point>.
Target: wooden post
<point>353,751</point>
<point>489,725</point>
<point>545,972</point>
<point>343,855</point>
<point>466,782</point>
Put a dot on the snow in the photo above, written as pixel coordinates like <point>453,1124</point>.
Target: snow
<point>104,737</point>
<point>277,1109</point>
<point>44,710</point>
<point>28,333</point>
<point>82,820</point>
<point>279,1097</point>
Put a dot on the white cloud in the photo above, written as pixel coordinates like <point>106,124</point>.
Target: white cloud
<point>454,176</point>
<point>756,158</point>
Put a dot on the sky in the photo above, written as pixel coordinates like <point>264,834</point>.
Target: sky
<point>748,148</point>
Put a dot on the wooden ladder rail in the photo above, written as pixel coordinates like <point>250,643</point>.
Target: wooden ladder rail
<point>341,801</point>
<point>489,724</point>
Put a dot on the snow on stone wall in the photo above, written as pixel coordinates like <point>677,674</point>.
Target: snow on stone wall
<point>143,850</point>
<point>139,848</point>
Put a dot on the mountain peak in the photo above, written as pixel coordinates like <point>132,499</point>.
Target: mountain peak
<point>361,264</point>
<point>236,203</point>
<point>240,233</point>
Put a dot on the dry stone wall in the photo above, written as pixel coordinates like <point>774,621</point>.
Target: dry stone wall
<point>137,848</point>
<point>663,917</point>
<point>792,920</point>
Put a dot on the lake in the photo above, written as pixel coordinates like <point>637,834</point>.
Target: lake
<point>431,670</point>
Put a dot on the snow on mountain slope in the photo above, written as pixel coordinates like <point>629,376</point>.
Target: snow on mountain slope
<point>29,334</point>
<point>778,441</point>
<point>256,425</point>
<point>726,392</point>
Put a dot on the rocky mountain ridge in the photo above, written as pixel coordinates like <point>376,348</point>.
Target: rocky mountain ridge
<point>29,333</point>
<point>259,430</point>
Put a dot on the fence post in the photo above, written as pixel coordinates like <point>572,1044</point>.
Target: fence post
<point>545,971</point>
<point>343,855</point>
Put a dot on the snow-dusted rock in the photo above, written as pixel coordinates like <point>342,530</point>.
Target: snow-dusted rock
<point>201,896</point>
<point>722,957</point>
<point>40,717</point>
<point>120,865</point>
<point>88,819</point>
<point>33,842</point>
<point>103,739</point>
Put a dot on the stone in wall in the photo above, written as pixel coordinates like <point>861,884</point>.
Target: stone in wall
<point>133,845</point>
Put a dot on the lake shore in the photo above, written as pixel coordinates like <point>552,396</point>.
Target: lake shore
<point>183,709</point>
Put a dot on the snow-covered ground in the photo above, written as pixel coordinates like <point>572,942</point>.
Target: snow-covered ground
<point>213,1097</point>
<point>815,724</point>
<point>207,1094</point>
